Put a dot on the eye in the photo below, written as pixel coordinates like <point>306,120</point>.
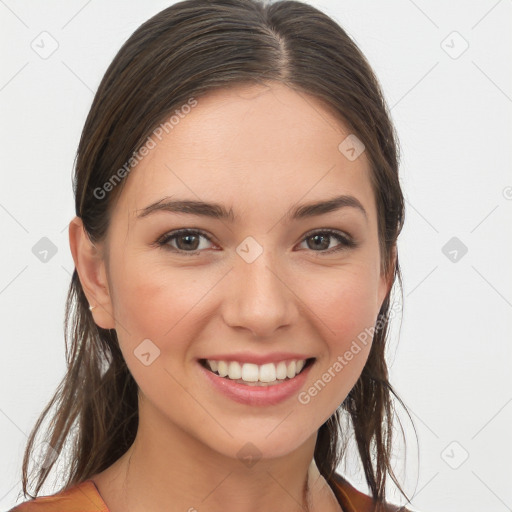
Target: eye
<point>322,240</point>
<point>187,241</point>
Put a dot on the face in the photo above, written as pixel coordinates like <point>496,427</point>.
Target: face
<point>267,283</point>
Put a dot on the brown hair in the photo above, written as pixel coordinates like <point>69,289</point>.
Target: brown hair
<point>184,51</point>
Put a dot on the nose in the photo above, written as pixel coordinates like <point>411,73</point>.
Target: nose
<point>260,297</point>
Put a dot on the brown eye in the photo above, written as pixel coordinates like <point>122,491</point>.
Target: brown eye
<point>184,241</point>
<point>321,241</point>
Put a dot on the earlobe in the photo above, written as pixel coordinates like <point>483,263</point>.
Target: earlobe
<point>90,265</point>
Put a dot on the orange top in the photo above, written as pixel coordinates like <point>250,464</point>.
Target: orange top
<point>85,497</point>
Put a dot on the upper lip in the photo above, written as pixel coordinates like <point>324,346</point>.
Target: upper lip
<point>259,359</point>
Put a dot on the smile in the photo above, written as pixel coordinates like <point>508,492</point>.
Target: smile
<point>254,374</point>
<point>264,386</point>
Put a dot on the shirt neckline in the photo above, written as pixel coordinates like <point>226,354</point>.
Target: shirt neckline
<point>89,486</point>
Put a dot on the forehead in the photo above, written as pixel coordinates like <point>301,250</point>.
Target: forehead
<point>249,146</point>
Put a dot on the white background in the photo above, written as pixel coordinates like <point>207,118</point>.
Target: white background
<point>451,363</point>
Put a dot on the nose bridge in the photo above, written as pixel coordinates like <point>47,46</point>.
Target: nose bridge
<point>261,300</point>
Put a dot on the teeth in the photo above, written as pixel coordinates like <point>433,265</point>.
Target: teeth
<point>281,370</point>
<point>268,372</point>
<point>290,371</point>
<point>249,372</point>
<point>222,368</point>
<point>234,370</point>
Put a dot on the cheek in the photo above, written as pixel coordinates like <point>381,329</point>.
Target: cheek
<point>140,293</point>
<point>346,309</point>
<point>345,302</point>
<point>164,305</point>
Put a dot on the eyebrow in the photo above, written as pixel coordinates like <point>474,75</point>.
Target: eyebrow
<point>218,211</point>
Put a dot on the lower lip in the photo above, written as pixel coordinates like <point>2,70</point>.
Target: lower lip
<point>257,395</point>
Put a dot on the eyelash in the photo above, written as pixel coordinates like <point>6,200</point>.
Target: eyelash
<point>345,241</point>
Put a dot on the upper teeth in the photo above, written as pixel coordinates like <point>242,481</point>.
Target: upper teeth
<point>250,372</point>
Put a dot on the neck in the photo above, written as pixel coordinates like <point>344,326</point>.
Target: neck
<point>168,469</point>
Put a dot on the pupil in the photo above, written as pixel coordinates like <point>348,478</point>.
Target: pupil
<point>317,237</point>
<point>188,237</point>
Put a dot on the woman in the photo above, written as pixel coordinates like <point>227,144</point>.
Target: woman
<point>237,213</point>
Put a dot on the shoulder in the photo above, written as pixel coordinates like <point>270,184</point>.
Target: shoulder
<point>81,497</point>
<point>353,500</point>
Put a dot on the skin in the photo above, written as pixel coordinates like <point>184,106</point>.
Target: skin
<point>259,150</point>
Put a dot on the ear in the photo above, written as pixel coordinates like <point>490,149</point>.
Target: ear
<point>90,265</point>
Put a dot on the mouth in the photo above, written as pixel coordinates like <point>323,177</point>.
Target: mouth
<point>249,374</point>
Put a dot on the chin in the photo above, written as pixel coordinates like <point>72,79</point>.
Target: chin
<point>263,441</point>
